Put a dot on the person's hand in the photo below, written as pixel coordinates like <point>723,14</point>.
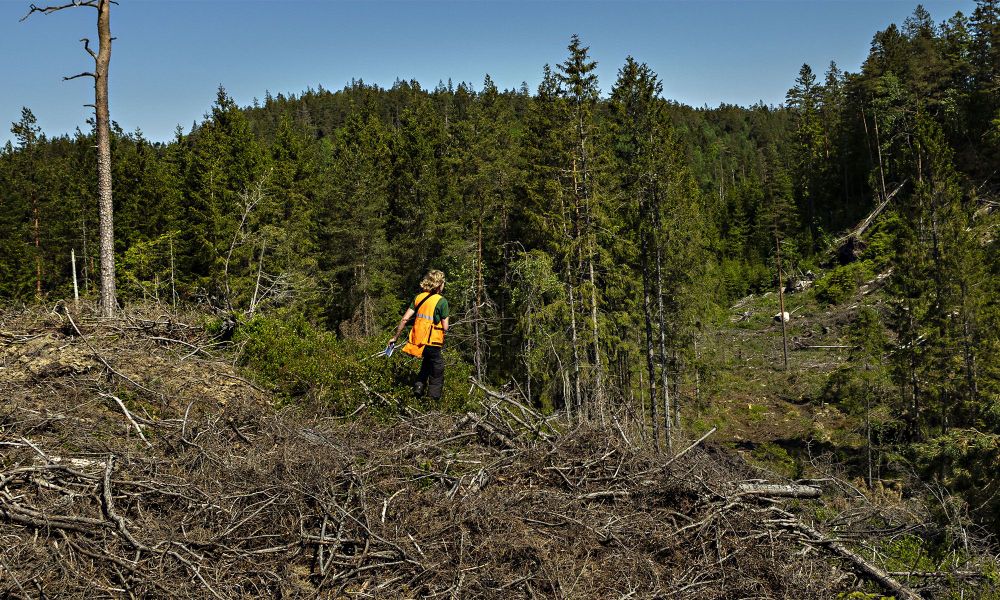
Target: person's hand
<point>392,340</point>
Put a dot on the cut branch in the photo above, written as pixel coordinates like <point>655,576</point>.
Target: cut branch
<point>860,564</point>
<point>128,415</point>
<point>688,449</point>
<point>105,362</point>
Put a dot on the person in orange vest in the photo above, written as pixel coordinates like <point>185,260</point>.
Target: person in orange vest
<point>429,312</point>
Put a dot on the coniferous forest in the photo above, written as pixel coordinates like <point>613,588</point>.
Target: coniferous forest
<point>606,249</point>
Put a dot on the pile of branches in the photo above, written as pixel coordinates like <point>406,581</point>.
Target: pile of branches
<point>109,485</point>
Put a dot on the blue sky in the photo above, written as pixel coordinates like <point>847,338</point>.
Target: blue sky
<point>170,56</point>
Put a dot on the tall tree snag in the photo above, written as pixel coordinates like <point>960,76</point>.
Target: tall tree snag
<point>102,60</point>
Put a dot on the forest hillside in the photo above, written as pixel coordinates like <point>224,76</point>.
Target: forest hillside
<point>812,286</point>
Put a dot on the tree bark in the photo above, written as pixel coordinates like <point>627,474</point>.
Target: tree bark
<point>86,271</point>
<point>573,399</point>
<point>781,303</point>
<point>650,352</point>
<point>773,490</point>
<point>102,60</point>
<point>76,289</point>
<point>574,341</point>
<point>38,249</point>
<point>598,375</point>
<point>664,382</point>
<point>477,350</point>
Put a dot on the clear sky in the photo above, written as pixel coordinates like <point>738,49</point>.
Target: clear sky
<point>170,56</point>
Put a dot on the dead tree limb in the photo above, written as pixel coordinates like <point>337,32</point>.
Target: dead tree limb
<point>939,574</point>
<point>104,362</point>
<point>861,565</point>
<point>128,415</point>
<point>689,448</point>
<point>109,506</point>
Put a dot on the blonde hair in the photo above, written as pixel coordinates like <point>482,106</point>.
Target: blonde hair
<point>433,280</point>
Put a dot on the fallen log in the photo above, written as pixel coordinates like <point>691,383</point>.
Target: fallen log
<point>778,490</point>
<point>939,574</point>
<point>861,227</point>
<point>862,566</point>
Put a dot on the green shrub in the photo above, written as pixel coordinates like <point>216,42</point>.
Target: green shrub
<point>303,362</point>
<point>881,243</point>
<point>776,458</point>
<point>842,282</point>
<point>965,461</point>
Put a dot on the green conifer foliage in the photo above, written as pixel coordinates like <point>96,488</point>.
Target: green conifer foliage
<point>938,270</point>
<point>586,207</point>
<point>225,168</point>
<point>805,100</point>
<point>20,209</point>
<point>354,247</point>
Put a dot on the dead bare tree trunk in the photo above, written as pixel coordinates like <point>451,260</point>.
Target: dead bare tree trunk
<point>173,287</point>
<point>256,288</point>
<point>598,375</point>
<point>477,350</point>
<point>574,402</point>
<point>574,340</point>
<point>102,60</point>
<point>86,271</point>
<point>76,289</point>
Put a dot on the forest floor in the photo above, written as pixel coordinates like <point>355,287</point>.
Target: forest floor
<point>136,460</point>
<point>761,406</point>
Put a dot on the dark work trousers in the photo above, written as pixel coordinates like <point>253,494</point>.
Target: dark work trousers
<point>431,376</point>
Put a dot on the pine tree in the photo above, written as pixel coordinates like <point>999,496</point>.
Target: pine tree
<point>102,132</point>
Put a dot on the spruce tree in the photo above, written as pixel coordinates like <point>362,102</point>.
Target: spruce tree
<point>804,100</point>
<point>637,141</point>
<point>938,270</point>
<point>226,168</point>
<point>579,81</point>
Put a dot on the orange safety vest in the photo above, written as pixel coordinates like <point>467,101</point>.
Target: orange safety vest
<point>425,332</point>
